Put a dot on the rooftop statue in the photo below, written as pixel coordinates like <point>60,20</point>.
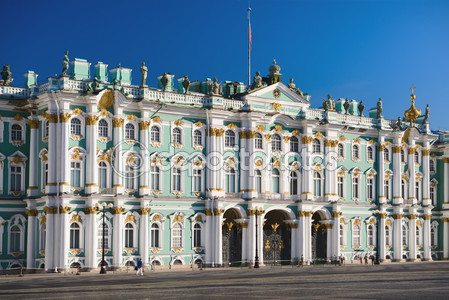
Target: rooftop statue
<point>186,84</point>
<point>379,108</point>
<point>361,108</point>
<point>65,64</point>
<point>165,80</point>
<point>143,71</point>
<point>329,104</point>
<point>257,82</point>
<point>346,106</point>
<point>215,88</point>
<point>6,75</point>
<point>95,85</point>
<point>115,84</point>
<point>293,87</point>
<point>397,125</point>
<point>426,115</point>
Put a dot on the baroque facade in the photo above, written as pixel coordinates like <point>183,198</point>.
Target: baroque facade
<point>189,174</point>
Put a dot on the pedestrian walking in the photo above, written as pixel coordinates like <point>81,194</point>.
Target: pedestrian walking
<point>139,267</point>
<point>366,259</point>
<point>301,262</point>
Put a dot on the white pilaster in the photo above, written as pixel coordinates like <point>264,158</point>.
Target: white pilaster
<point>33,167</point>
<point>64,185</point>
<point>446,238</point>
<point>426,175</point>
<point>381,174</point>
<point>50,237</point>
<point>117,243</point>
<point>426,234</point>
<point>412,197</point>
<point>144,226</point>
<point>144,188</point>
<point>118,184</point>
<point>381,246</point>
<point>31,237</point>
<point>397,234</point>
<point>91,150</point>
<point>412,234</point>
<point>65,237</point>
<point>91,237</point>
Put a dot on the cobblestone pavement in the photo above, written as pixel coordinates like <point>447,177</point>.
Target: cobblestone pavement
<point>387,281</point>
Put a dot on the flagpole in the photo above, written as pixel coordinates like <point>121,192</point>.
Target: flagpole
<point>249,47</point>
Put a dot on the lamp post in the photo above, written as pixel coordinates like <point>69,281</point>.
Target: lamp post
<point>377,261</point>
<point>275,227</point>
<point>103,261</point>
<point>258,212</point>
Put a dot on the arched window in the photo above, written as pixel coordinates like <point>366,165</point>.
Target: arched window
<point>230,180</point>
<point>418,189</point>
<point>355,152</point>
<point>155,134</point>
<point>177,236</point>
<point>433,237</point>
<point>294,144</point>
<point>129,235</point>
<point>154,174</point>
<point>432,195</point>
<point>106,236</point>
<point>387,235</point>
<point>356,236</point>
<point>176,177</point>
<point>370,153</point>
<point>229,138</point>
<point>276,177</point>
<point>276,142</point>
<point>197,235</point>
<point>130,177</point>
<point>155,235</point>
<point>404,235</point>
<point>197,180</point>
<point>44,174</point>
<point>258,141</point>
<point>386,154</point>
<point>43,237</point>
<point>16,132</point>
<point>341,235</point>
<point>75,126</point>
<point>258,181</point>
<point>370,235</point>
<point>355,187</point>
<point>416,157</point>
<point>293,183</point>
<point>317,184</point>
<point>103,175</point>
<point>403,156</point>
<point>418,236</point>
<point>340,186</point>
<point>75,236</point>
<point>75,174</point>
<point>403,188</point>
<point>316,146</point>
<point>370,188</point>
<point>197,138</point>
<point>130,131</point>
<point>387,188</point>
<point>432,165</point>
<point>16,178</point>
<point>14,239</point>
<point>103,128</point>
<point>45,129</point>
<point>340,150</point>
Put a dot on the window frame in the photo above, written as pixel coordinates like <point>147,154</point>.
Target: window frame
<point>229,138</point>
<point>74,239</point>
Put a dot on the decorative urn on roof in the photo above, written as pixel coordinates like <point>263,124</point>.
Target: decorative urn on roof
<point>274,76</point>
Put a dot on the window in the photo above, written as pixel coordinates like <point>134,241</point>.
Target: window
<point>432,165</point>
<point>340,150</point>
<point>340,186</point>
<point>258,181</point>
<point>417,188</point>
<point>75,174</point>
<point>197,138</point>
<point>155,235</point>
<point>75,126</point>
<point>387,236</point>
<point>230,180</point>
<point>75,232</point>
<point>45,129</point>
<point>103,128</point>
<point>16,133</point>
<point>370,153</point>
<point>176,179</point>
<point>433,237</point>
<point>432,195</point>
<point>197,235</point>
<point>370,235</point>
<point>316,146</point>
<point>402,156</point>
<point>154,174</point>
<point>370,188</point>
<point>403,188</point>
<point>130,132</point>
<point>102,175</point>
<point>155,134</point>
<point>341,236</point>
<point>317,184</point>
<point>197,180</point>
<point>258,141</point>
<point>16,178</point>
<point>276,178</point>
<point>229,138</point>
<point>43,237</point>
<point>386,154</point>
<point>130,177</point>
<point>404,235</point>
<point>294,144</point>
<point>100,236</point>
<point>44,175</point>
<point>14,239</point>
<point>177,236</point>
<point>418,235</point>
<point>276,142</point>
<point>356,236</point>
<point>355,187</point>
<point>355,152</point>
<point>293,183</point>
<point>416,157</point>
<point>129,235</point>
<point>387,188</point>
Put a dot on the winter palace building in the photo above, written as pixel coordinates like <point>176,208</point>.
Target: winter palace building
<point>211,172</point>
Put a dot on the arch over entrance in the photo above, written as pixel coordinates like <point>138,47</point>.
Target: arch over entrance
<point>231,238</point>
<point>276,238</point>
<point>319,236</point>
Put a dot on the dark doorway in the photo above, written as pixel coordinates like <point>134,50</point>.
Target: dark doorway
<point>319,237</point>
<point>232,238</point>
<point>276,238</point>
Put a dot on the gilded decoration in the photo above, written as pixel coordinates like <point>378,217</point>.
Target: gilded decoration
<point>232,126</point>
<point>387,143</point>
<point>17,160</point>
<point>155,250</point>
<point>418,222</point>
<point>287,138</point>
<point>445,219</point>
<point>247,134</point>
<point>208,212</point>
<point>356,141</point>
<point>276,106</point>
<point>177,249</point>
<point>426,152</point>
<point>43,220</point>
<point>144,211</point>
<point>341,173</point>
<point>31,212</point>
<point>199,124</point>
<point>76,154</point>
<point>260,128</point>
<point>259,163</point>
<point>91,120</point>
<point>157,119</point>
<point>229,225</point>
<point>131,118</point>
<point>76,218</point>
<point>319,135</point>
<point>118,210</point>
<point>307,139</point>
<point>446,160</point>
<point>268,137</point>
<point>412,217</point>
<point>117,122</point>
<point>90,210</point>
<point>336,214</point>
<point>77,111</point>
<point>64,117</point>
<point>34,124</point>
<point>371,142</point>
<point>64,209</point>
<point>144,125</point>
<point>427,217</point>
<point>397,149</point>
<point>18,117</point>
<point>107,100</point>
<point>179,122</point>
<point>356,222</point>
<point>178,218</point>
<point>218,212</point>
<point>130,218</point>
<point>398,216</point>
<point>215,132</point>
<point>278,128</point>
<point>412,113</point>
<point>331,143</point>
<point>104,113</point>
<point>50,117</point>
<point>199,218</point>
<point>156,218</point>
<point>342,138</point>
<point>381,148</point>
<point>50,210</point>
<point>296,132</point>
<point>276,93</point>
<point>411,150</point>
<point>198,162</point>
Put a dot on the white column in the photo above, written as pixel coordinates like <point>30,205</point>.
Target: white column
<point>50,237</point>
<point>397,197</point>
<point>117,230</point>
<point>33,167</point>
<point>330,173</point>
<point>301,241</point>
<point>244,225</point>
<point>308,235</point>
<point>144,242</point>
<point>31,237</point>
<point>412,234</point>
<point>52,155</point>
<point>446,238</point>
<point>65,237</point>
<point>218,216</point>
<point>209,234</point>
<point>260,220</point>
<point>91,237</point>
<point>381,174</point>
<point>329,252</point>
<point>411,167</point>
<point>381,246</point>
<point>144,188</point>
<point>336,233</point>
<point>293,240</point>
<point>91,150</point>
<point>118,123</point>
<point>64,185</point>
<point>426,234</point>
<point>397,235</point>
<point>307,170</point>
<point>426,176</point>
<point>251,235</point>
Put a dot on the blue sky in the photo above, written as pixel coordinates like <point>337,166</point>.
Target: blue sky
<point>356,49</point>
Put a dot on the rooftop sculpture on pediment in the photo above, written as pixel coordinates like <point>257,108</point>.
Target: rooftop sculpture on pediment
<point>293,87</point>
<point>215,88</point>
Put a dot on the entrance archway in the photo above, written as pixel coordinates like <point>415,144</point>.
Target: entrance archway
<point>231,238</point>
<point>276,238</point>
<point>319,237</point>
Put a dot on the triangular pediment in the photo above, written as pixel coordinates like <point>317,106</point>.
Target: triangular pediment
<point>277,92</point>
